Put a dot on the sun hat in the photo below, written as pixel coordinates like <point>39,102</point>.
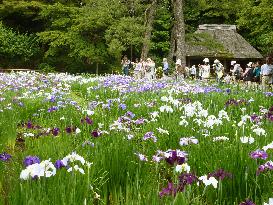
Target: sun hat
<point>216,61</point>
<point>178,62</point>
<point>206,60</point>
<point>249,64</point>
<point>233,63</point>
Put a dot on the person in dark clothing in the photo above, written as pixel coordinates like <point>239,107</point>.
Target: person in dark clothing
<point>248,74</point>
<point>257,73</point>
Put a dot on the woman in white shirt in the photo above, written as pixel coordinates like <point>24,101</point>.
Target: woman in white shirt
<point>206,69</point>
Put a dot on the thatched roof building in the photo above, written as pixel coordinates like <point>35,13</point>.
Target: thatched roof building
<point>221,42</point>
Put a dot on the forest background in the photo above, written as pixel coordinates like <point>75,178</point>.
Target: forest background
<point>92,35</point>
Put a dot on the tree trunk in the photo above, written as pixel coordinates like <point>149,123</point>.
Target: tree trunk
<point>172,44</point>
<point>149,20</point>
<point>180,31</point>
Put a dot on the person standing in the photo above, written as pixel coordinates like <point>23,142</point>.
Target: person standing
<point>137,69</point>
<point>199,71</point>
<point>150,69</point>
<point>257,74</point>
<point>165,66</point>
<point>193,72</point>
<point>142,65</point>
<point>180,71</point>
<point>236,72</point>
<point>248,74</point>
<point>219,70</point>
<point>125,62</point>
<point>206,69</point>
<point>266,73</point>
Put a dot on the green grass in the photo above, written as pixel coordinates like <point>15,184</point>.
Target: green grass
<point>117,174</point>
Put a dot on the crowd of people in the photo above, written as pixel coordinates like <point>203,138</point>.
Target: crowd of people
<point>141,68</point>
<point>253,75</point>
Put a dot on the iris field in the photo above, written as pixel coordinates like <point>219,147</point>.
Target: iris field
<point>68,139</point>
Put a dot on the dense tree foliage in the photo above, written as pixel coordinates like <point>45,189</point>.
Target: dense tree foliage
<point>82,35</point>
<point>17,48</point>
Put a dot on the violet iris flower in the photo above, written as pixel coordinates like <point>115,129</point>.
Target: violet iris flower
<point>30,125</point>
<point>170,190</point>
<point>87,120</point>
<point>150,135</point>
<point>264,167</point>
<point>186,179</point>
<point>29,160</point>
<point>220,174</point>
<point>5,157</point>
<point>259,154</point>
<point>59,164</point>
<point>96,133</point>
<point>247,202</point>
<point>122,106</point>
<point>55,131</point>
<point>176,156</point>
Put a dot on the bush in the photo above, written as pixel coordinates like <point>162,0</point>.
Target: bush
<point>46,68</point>
<point>15,47</point>
<point>159,72</point>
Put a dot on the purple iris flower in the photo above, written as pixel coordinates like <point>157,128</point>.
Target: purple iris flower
<point>29,125</point>
<point>5,157</point>
<point>269,115</point>
<point>220,174</point>
<point>87,120</point>
<point>139,121</point>
<point>150,135</point>
<point>55,131</point>
<point>247,202</point>
<point>170,190</point>
<point>268,94</point>
<point>265,167</point>
<point>122,106</point>
<point>70,129</point>
<point>176,156</point>
<point>255,118</point>
<point>95,133</point>
<point>259,154</point>
<point>52,99</point>
<point>186,179</point>
<point>59,164</point>
<point>29,160</point>
<point>130,114</point>
<point>52,109</point>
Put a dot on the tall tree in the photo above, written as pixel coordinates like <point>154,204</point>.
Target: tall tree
<point>179,30</point>
<point>255,22</point>
<point>172,44</point>
<point>149,20</point>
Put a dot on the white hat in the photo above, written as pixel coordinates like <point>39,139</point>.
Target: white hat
<point>237,65</point>
<point>149,59</point>
<point>249,64</point>
<point>216,61</point>
<point>178,62</point>
<point>206,60</point>
<point>233,63</point>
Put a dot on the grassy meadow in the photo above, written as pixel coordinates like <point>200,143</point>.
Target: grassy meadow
<point>68,139</point>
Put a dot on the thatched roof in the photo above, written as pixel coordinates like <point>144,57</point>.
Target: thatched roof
<point>221,41</point>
